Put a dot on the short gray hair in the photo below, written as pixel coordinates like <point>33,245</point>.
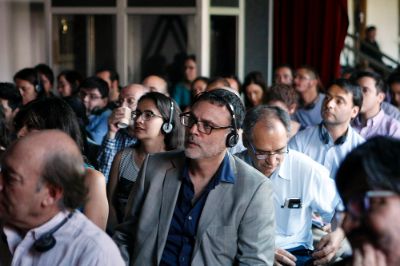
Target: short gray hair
<point>267,114</point>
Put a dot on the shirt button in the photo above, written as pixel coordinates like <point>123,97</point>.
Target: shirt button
<point>190,218</point>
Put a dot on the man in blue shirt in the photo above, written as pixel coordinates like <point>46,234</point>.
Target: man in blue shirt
<point>307,84</point>
<point>94,95</point>
<point>202,206</point>
<point>329,142</point>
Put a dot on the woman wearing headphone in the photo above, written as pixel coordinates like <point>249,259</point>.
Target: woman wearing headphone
<point>29,85</point>
<point>157,129</point>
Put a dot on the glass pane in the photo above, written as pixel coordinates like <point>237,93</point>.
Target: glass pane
<point>83,43</point>
<point>226,3</point>
<point>223,41</point>
<point>72,3</point>
<point>156,43</point>
<point>155,3</point>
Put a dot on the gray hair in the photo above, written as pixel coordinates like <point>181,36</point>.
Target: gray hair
<point>267,114</point>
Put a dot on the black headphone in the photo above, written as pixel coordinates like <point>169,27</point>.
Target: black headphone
<point>168,126</point>
<point>38,83</point>
<point>233,136</point>
<point>324,136</point>
<point>47,240</point>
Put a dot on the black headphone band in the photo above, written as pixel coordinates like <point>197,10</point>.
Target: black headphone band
<point>324,136</point>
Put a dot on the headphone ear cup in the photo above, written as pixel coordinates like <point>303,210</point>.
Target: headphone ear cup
<point>44,243</point>
<point>232,139</point>
<point>167,127</point>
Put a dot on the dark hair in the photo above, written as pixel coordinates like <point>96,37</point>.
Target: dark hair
<point>267,114</point>
<point>284,66</point>
<point>254,77</point>
<point>113,74</point>
<point>9,92</point>
<point>5,136</point>
<point>50,113</point>
<point>65,170</point>
<point>45,70</point>
<point>283,93</point>
<point>223,97</point>
<point>370,28</point>
<point>204,79</point>
<point>174,139</point>
<point>236,79</point>
<point>190,57</point>
<point>379,83</point>
<point>96,83</point>
<point>74,79</point>
<point>350,87</point>
<point>372,165</point>
<point>32,76</point>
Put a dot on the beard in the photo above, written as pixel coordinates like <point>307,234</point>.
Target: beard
<point>195,149</point>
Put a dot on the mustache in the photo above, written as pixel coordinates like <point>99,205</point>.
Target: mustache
<point>191,138</point>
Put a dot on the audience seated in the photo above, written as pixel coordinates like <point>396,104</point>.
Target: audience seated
<point>372,120</point>
<point>46,77</point>
<point>181,92</point>
<point>254,89</point>
<point>41,185</point>
<point>157,84</point>
<point>54,113</point>
<point>394,85</point>
<point>283,74</point>
<point>308,85</point>
<point>200,206</point>
<point>112,78</point>
<point>94,95</point>
<point>285,97</point>
<point>10,101</point>
<point>29,85</point>
<point>369,183</point>
<point>300,187</point>
<point>119,138</point>
<point>157,129</point>
<point>330,141</point>
<point>198,86</point>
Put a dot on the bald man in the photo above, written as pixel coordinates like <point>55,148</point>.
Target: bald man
<point>41,185</point>
<point>156,83</point>
<point>119,138</point>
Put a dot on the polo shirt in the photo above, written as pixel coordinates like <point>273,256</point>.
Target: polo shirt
<point>311,115</point>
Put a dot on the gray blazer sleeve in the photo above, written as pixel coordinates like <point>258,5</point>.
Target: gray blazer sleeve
<point>256,234</point>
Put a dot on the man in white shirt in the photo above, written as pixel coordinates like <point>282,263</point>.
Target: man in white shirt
<point>41,183</point>
<point>300,187</point>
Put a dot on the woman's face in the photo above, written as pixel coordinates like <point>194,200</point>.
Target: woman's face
<point>27,90</point>
<point>148,121</point>
<point>64,87</point>
<point>190,70</point>
<point>254,93</point>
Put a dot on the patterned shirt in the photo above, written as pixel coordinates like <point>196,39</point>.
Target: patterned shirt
<point>110,147</point>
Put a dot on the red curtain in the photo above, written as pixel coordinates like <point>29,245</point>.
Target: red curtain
<point>310,32</point>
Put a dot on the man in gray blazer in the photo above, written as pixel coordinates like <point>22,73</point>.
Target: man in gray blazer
<point>201,206</point>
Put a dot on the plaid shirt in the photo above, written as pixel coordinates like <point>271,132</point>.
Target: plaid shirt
<point>110,147</point>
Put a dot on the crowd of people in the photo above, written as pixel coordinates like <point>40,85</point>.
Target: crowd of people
<point>208,171</point>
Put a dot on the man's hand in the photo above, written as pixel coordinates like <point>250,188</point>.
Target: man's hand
<point>328,246</point>
<point>115,117</point>
<point>283,257</point>
<point>368,255</point>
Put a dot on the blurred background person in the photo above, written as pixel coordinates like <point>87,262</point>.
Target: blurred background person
<point>254,88</point>
<point>181,92</point>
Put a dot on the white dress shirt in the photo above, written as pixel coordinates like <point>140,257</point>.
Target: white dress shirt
<point>79,242</point>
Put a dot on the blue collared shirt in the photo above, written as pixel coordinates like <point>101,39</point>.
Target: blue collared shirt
<point>182,232</point>
<point>109,149</point>
<point>330,155</point>
<point>310,116</point>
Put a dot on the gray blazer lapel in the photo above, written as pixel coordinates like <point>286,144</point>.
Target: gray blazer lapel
<point>169,196</point>
<point>211,208</point>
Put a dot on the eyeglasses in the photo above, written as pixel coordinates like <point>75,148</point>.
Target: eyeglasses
<point>91,96</point>
<point>359,205</point>
<point>146,115</point>
<point>267,154</point>
<point>188,120</point>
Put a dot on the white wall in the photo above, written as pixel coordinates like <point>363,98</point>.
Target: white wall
<point>22,41</point>
<point>384,15</point>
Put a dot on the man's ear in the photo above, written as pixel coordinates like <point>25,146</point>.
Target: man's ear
<point>381,96</point>
<point>354,111</point>
<point>53,195</point>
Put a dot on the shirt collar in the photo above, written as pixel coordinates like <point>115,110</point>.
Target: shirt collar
<point>224,173</point>
<point>376,119</point>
